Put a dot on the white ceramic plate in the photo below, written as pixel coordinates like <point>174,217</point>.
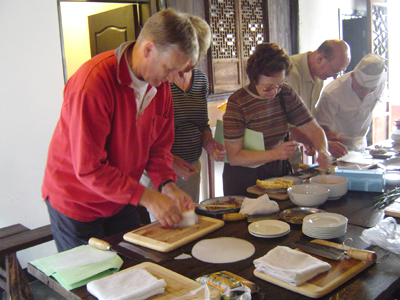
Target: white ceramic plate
<point>269,236</point>
<point>269,227</point>
<point>325,220</point>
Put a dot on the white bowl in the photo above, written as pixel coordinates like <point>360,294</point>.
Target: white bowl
<point>310,195</point>
<point>395,136</point>
<point>337,184</point>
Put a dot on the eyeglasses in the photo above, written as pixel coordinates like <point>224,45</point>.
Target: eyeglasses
<point>270,88</point>
<point>333,72</point>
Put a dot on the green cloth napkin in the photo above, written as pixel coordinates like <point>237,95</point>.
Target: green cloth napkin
<point>252,140</point>
<point>78,275</point>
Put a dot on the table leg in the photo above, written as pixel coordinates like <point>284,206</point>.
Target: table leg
<point>17,283</point>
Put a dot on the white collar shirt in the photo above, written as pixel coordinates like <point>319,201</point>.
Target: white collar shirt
<point>300,79</point>
<point>342,111</point>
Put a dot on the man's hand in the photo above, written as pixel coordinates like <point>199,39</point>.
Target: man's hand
<point>308,150</point>
<point>324,160</point>
<point>165,209</point>
<point>183,200</point>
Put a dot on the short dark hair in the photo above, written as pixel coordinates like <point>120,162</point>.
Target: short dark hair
<point>268,59</point>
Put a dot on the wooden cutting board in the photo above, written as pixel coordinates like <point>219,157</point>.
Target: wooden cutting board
<point>393,209</point>
<point>177,285</point>
<point>155,237</point>
<point>273,195</point>
<point>322,284</point>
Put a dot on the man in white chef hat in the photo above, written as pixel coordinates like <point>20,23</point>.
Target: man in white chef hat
<point>345,107</point>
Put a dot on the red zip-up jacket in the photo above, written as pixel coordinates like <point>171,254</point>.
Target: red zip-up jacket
<point>99,148</point>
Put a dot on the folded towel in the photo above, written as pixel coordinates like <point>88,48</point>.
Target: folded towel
<point>261,205</point>
<point>130,284</point>
<point>291,266</point>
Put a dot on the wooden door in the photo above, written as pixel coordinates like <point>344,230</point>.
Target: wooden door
<point>107,30</point>
<point>355,34</point>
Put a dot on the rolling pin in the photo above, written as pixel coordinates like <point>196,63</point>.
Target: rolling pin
<point>233,217</point>
<point>363,255</point>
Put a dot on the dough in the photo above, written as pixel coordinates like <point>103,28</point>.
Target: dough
<point>222,250</point>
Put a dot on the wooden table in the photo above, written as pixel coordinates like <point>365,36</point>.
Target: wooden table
<point>379,281</point>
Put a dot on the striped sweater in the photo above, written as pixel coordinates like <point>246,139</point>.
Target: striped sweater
<point>247,110</point>
<point>191,117</point>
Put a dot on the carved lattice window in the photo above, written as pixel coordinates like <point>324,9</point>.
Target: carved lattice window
<point>380,44</point>
<point>237,28</point>
<point>223,25</point>
<point>252,25</point>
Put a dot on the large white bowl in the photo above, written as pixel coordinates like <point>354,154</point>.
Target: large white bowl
<point>337,184</point>
<point>310,195</point>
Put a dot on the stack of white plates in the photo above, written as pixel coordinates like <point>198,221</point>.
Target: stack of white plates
<point>324,225</point>
<point>269,228</point>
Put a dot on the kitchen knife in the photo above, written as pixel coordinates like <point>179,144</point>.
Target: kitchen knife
<point>103,245</point>
<point>334,253</point>
<point>136,250</point>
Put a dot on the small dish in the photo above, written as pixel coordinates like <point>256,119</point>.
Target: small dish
<point>269,228</point>
<point>269,236</point>
<point>297,214</point>
<point>204,210</point>
<point>296,181</point>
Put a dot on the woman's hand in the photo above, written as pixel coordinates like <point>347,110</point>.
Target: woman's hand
<point>285,150</point>
<point>214,149</point>
<point>182,168</point>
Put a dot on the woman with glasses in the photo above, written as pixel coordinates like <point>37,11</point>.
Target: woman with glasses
<point>267,105</point>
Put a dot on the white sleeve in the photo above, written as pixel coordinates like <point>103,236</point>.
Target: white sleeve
<point>326,110</point>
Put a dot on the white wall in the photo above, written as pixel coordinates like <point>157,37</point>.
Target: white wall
<point>74,16</point>
<point>319,20</point>
<point>31,83</point>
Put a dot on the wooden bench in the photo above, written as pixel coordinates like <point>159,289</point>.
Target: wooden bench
<point>13,239</point>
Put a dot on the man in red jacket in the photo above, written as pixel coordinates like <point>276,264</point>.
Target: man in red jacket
<point>117,121</point>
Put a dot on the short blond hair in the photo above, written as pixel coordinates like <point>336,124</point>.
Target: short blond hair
<point>170,29</point>
<point>203,32</point>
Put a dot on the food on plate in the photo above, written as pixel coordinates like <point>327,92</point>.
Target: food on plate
<point>218,204</point>
<point>226,283</point>
<point>275,184</point>
<point>377,151</point>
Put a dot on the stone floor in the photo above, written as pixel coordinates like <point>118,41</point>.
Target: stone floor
<point>41,292</point>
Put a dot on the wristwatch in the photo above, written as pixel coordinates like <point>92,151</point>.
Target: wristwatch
<point>164,183</point>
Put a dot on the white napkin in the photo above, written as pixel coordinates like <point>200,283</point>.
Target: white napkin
<point>291,266</point>
<point>189,219</point>
<point>355,158</point>
<point>82,257</point>
<point>133,284</point>
<point>261,205</point>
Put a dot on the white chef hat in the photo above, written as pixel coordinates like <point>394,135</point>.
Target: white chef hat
<point>369,70</point>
